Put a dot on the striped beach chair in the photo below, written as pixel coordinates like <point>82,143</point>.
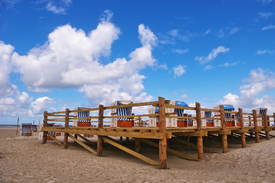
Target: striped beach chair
<point>81,114</point>
<point>260,119</point>
<point>123,111</point>
<point>229,123</point>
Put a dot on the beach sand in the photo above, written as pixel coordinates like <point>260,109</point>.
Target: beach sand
<point>26,159</point>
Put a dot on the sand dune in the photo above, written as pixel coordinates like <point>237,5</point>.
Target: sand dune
<point>25,159</point>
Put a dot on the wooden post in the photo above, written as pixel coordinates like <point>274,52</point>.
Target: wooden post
<point>223,123</point>
<point>66,126</point>
<point>257,138</point>
<point>100,125</point>
<point>127,141</point>
<point>45,125</point>
<point>266,125</point>
<point>199,128</point>
<point>242,127</point>
<point>162,129</point>
<point>274,118</point>
<point>251,133</point>
<point>137,145</point>
<point>120,138</point>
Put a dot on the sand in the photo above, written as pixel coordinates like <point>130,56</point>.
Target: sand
<point>26,159</point>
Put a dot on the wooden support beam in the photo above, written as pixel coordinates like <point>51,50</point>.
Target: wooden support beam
<point>266,125</point>
<point>83,145</point>
<point>127,141</point>
<point>162,129</point>
<point>224,136</point>
<point>221,132</point>
<point>143,158</point>
<point>100,126</point>
<point>86,139</point>
<point>257,138</point>
<point>184,156</point>
<point>55,139</point>
<point>66,126</point>
<point>199,128</point>
<point>137,145</point>
<point>242,127</point>
<point>45,125</point>
<point>193,145</point>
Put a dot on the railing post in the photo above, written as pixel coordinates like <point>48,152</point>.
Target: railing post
<point>274,118</point>
<point>266,125</point>
<point>162,129</point>
<point>242,127</point>
<point>257,138</point>
<point>199,128</point>
<point>45,125</point>
<point>66,126</point>
<point>100,125</point>
<point>223,123</point>
<point>251,133</point>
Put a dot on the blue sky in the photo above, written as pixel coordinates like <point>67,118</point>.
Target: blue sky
<point>67,53</point>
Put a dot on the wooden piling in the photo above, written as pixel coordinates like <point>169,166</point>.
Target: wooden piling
<point>257,138</point>
<point>199,128</point>
<point>100,125</point>
<point>266,125</point>
<point>66,126</point>
<point>224,136</point>
<point>137,145</point>
<point>45,125</point>
<point>242,127</point>
<point>251,133</point>
<point>162,129</point>
<point>127,141</point>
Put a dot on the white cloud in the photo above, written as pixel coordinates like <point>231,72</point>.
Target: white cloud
<point>184,96</point>
<point>260,81</point>
<point>269,27</point>
<point>179,51</point>
<point>220,33</point>
<point>261,52</point>
<point>265,15</point>
<point>266,1</point>
<point>207,32</point>
<point>9,3</point>
<point>178,70</point>
<point>40,105</point>
<point>212,55</point>
<point>234,30</point>
<point>61,9</point>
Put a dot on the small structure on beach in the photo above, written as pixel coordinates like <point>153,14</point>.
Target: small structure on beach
<point>170,122</point>
<point>229,117</point>
<point>26,129</point>
<point>123,111</point>
<point>260,112</point>
<point>79,118</point>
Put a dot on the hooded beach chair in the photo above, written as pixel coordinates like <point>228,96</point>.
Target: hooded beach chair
<point>260,118</point>
<point>81,114</point>
<point>26,129</point>
<point>123,111</point>
<point>229,123</point>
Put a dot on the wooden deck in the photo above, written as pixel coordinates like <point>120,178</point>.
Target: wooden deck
<point>161,133</point>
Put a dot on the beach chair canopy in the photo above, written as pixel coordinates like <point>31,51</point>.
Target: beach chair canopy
<point>228,107</point>
<point>208,114</point>
<point>180,112</point>
<point>124,111</point>
<point>83,114</point>
<point>26,127</point>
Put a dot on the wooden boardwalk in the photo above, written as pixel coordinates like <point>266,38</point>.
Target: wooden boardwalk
<point>161,133</point>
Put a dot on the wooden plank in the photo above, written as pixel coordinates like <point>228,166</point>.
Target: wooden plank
<point>210,110</point>
<point>257,138</point>
<point>163,141</point>
<point>193,145</point>
<point>100,126</point>
<point>83,145</point>
<point>224,136</point>
<point>66,126</point>
<point>180,107</point>
<point>55,139</point>
<point>85,109</point>
<point>45,125</point>
<point>132,105</point>
<point>130,116</point>
<point>93,131</point>
<point>86,139</point>
<point>143,158</point>
<point>184,156</point>
<point>193,134</point>
<point>221,132</point>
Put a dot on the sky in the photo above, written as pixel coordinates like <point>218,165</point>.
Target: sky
<point>57,54</point>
